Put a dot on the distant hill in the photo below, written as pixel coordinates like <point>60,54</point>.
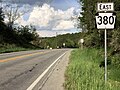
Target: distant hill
<point>66,40</point>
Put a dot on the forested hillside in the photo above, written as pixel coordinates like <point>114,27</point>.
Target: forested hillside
<point>62,41</point>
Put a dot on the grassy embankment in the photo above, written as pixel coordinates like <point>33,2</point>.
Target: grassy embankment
<point>6,48</point>
<point>84,73</point>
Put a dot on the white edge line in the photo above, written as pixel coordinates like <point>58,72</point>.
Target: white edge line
<point>40,77</point>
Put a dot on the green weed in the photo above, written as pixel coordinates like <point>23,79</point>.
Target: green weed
<point>84,73</point>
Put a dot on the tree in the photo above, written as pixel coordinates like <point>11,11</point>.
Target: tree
<point>115,43</point>
<point>27,33</point>
<point>2,25</point>
<point>13,12</point>
<point>87,22</point>
<point>1,15</point>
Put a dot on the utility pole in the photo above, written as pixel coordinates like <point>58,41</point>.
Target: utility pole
<point>56,39</point>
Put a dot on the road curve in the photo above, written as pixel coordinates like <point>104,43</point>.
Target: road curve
<point>19,70</point>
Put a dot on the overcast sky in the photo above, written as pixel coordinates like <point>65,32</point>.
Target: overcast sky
<point>50,16</point>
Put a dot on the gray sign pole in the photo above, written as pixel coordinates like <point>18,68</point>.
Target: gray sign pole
<point>105,56</point>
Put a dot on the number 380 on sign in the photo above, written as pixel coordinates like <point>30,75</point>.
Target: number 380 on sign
<point>105,21</point>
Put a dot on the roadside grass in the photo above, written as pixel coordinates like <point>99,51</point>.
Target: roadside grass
<point>7,48</point>
<point>15,49</point>
<point>84,73</point>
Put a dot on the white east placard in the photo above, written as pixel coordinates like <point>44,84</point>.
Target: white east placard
<point>105,7</point>
<point>105,21</point>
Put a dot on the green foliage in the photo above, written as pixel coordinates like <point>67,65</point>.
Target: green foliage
<point>70,40</point>
<point>1,15</point>
<point>84,73</point>
<point>27,33</point>
<point>70,43</point>
<point>2,25</point>
<point>6,48</point>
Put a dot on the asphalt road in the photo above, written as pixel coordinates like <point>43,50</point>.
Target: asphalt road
<point>27,70</point>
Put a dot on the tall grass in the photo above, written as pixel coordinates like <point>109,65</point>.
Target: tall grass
<point>84,73</point>
<point>6,48</point>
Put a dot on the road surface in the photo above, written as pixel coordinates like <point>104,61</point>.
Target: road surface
<point>27,70</point>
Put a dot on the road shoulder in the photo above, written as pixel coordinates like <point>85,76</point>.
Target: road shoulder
<point>56,80</point>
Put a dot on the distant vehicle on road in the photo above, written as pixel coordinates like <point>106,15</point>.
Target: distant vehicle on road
<point>50,48</point>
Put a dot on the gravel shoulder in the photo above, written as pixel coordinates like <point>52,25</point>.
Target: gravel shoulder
<point>56,80</point>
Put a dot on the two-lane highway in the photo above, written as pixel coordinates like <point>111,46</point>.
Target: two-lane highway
<point>24,70</point>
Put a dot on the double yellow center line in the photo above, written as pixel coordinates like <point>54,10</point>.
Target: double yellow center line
<point>22,56</point>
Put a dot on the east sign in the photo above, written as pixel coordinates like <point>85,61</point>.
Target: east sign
<point>105,7</point>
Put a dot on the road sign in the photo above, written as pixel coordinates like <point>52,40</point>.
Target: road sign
<point>105,7</point>
<point>105,21</point>
<point>64,44</point>
<point>82,40</point>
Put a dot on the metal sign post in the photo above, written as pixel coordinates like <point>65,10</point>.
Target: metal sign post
<point>105,21</point>
<point>105,55</point>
